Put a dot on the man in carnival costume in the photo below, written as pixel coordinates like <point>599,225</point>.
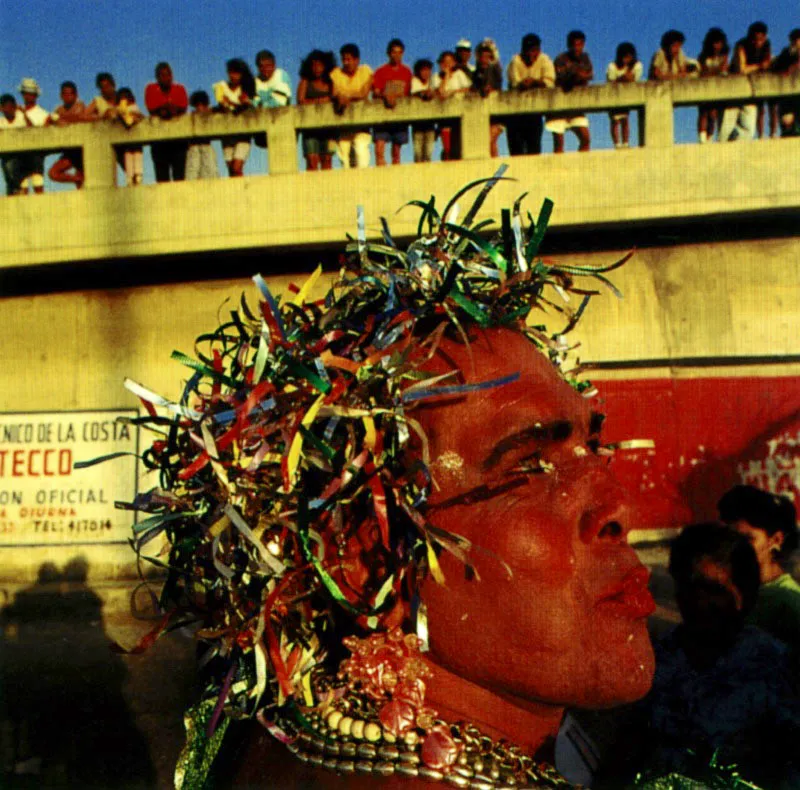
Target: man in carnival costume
<point>393,515</point>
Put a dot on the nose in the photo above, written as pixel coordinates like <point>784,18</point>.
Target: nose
<point>609,517</point>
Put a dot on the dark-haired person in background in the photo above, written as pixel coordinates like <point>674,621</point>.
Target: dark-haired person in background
<point>722,688</point>
<point>573,70</point>
<point>352,82</point>
<point>788,62</point>
<point>750,56</point>
<point>104,105</point>
<point>670,61</point>
<point>487,78</point>
<point>11,117</point>
<point>167,99</point>
<point>316,87</point>
<point>201,161</point>
<point>391,82</point>
<point>273,86</point>
<point>769,522</point>
<point>236,95</point>
<point>713,60</point>
<point>68,168</point>
<point>528,70</point>
<point>626,67</point>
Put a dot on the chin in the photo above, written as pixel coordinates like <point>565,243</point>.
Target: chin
<point>616,672</point>
<point>628,673</point>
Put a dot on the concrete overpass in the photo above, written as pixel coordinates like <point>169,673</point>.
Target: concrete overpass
<point>656,182</point>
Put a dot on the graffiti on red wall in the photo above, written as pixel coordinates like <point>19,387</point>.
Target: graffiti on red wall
<point>709,434</point>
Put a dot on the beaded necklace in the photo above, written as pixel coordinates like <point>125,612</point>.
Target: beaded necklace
<point>373,720</point>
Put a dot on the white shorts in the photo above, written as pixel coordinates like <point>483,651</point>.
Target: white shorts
<point>560,125</point>
<point>239,150</point>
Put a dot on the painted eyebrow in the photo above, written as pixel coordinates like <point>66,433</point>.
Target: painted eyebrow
<point>556,431</point>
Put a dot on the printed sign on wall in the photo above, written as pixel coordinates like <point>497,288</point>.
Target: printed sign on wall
<point>44,499</point>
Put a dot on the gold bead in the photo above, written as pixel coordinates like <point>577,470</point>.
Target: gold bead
<point>384,768</point>
<point>367,751</point>
<point>357,730</point>
<point>456,781</point>
<point>372,732</point>
<point>388,737</point>
<point>364,767</point>
<point>345,725</point>
<point>334,718</point>
<point>389,753</point>
<point>431,774</point>
<point>411,738</point>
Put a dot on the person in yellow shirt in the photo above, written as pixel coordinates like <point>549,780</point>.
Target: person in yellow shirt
<point>352,82</point>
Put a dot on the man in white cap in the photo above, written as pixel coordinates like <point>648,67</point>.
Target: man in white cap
<point>35,115</point>
<point>463,56</point>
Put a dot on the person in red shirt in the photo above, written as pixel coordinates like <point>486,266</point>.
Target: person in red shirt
<point>391,82</point>
<point>167,100</point>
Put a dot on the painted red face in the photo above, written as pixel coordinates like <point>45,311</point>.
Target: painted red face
<point>568,626</point>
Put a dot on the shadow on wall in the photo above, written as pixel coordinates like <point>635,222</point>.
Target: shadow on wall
<point>64,722</point>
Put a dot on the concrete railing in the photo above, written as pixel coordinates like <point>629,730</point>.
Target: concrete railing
<point>653,101</point>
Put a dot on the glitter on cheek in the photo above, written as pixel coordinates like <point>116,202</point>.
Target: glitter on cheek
<point>449,466</point>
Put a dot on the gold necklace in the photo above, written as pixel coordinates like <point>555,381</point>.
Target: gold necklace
<point>372,719</point>
<point>480,764</point>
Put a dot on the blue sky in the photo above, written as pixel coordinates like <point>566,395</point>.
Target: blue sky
<point>54,40</point>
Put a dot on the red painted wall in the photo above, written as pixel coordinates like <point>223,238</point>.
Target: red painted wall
<point>710,433</point>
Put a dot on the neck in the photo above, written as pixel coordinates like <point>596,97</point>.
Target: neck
<point>531,726</point>
<point>772,572</point>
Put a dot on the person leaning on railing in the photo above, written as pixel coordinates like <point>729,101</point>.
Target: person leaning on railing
<point>448,82</point>
<point>11,117</point>
<point>713,62</point>
<point>751,55</point>
<point>392,81</point>
<point>788,62</point>
<point>35,115</point>
<point>236,95</point>
<point>167,99</point>
<point>316,87</point>
<point>423,133</point>
<point>68,168</point>
<point>573,70</point>
<point>625,68</point>
<point>352,82</point>
<point>670,61</point>
<point>529,70</point>
<point>487,78</point>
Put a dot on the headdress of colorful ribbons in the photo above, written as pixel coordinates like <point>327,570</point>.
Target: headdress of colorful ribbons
<point>294,450</point>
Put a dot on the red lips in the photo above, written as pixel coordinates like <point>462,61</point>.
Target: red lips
<point>630,597</point>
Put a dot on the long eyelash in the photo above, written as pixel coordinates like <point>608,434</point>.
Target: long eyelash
<point>532,464</point>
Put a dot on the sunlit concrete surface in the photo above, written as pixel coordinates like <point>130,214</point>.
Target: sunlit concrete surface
<point>289,209</point>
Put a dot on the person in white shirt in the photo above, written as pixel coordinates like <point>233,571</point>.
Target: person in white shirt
<point>273,87</point>
<point>625,68</point>
<point>447,82</point>
<point>236,95</point>
<point>423,133</point>
<point>531,69</point>
<point>35,115</point>
<point>11,117</point>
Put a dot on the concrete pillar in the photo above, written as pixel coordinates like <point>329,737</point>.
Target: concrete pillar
<point>282,143</point>
<point>475,135</point>
<point>99,161</point>
<point>656,122</point>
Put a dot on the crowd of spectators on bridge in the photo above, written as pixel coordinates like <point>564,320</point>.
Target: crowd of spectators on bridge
<point>323,81</point>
